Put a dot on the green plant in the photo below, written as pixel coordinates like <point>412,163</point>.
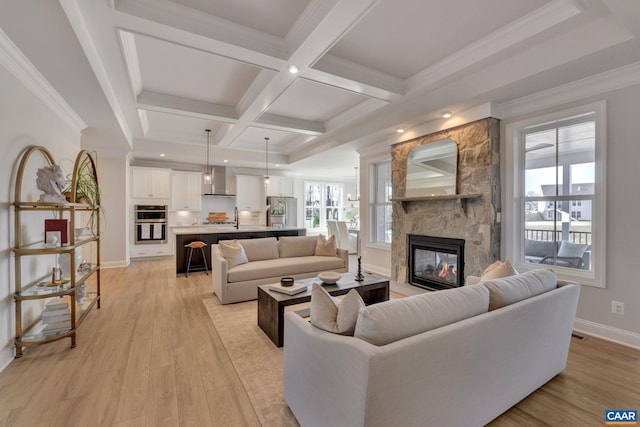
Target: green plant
<point>82,187</point>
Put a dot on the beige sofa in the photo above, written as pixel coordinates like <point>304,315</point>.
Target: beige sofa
<point>270,260</point>
<point>444,358</point>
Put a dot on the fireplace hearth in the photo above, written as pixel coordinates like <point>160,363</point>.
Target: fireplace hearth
<point>435,263</point>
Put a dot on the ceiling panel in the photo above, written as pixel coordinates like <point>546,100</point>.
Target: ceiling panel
<point>403,38</point>
<point>175,128</point>
<point>190,73</point>
<point>253,139</point>
<point>309,100</point>
<point>275,17</point>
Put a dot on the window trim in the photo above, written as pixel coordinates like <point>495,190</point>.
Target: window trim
<point>513,161</point>
<point>373,204</point>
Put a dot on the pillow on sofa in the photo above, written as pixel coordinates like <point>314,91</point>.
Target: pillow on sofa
<point>333,315</point>
<point>498,270</point>
<point>393,320</point>
<point>292,246</point>
<point>233,252</point>
<point>326,247</point>
<point>261,248</point>
<point>512,289</point>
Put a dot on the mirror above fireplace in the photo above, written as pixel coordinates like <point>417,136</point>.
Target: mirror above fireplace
<point>432,169</point>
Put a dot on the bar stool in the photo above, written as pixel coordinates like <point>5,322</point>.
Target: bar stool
<point>190,247</point>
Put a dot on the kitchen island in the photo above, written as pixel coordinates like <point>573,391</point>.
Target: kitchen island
<point>211,234</point>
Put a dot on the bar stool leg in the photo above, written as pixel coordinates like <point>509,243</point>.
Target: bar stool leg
<point>204,259</point>
<point>186,273</point>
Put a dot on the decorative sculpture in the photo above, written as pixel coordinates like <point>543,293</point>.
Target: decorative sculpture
<point>359,276</point>
<point>51,181</point>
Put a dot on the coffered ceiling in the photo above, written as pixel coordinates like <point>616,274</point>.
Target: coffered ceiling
<point>169,69</point>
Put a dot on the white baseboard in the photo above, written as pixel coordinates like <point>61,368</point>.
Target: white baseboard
<point>384,272</point>
<point>608,333</point>
<point>115,264</point>
<point>6,356</point>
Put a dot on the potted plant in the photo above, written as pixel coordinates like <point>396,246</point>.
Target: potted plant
<point>82,187</point>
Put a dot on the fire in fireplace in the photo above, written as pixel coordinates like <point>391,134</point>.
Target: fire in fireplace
<point>436,262</point>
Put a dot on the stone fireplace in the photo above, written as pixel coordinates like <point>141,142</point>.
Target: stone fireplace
<point>473,221</point>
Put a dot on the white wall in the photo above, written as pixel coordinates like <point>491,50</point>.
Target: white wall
<point>24,120</point>
<point>113,176</point>
<point>623,234</point>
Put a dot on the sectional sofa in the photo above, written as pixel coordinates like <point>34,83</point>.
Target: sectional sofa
<point>457,357</point>
<point>268,260</point>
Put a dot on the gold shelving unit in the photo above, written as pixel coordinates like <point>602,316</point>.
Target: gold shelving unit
<point>32,334</point>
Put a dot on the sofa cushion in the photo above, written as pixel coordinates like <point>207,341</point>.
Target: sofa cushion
<point>571,250</point>
<point>281,267</point>
<point>233,252</point>
<point>259,249</point>
<point>326,247</point>
<point>512,289</point>
<point>498,270</point>
<point>393,320</point>
<point>332,314</point>
<point>291,246</point>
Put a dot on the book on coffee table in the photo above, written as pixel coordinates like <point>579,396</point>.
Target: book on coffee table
<point>289,290</point>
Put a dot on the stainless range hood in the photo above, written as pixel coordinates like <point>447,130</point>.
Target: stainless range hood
<point>220,185</point>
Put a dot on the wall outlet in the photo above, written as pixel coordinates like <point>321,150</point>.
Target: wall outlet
<point>617,307</point>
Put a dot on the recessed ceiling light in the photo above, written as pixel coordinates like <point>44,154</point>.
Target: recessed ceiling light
<point>293,69</point>
<point>447,115</point>
<point>225,160</point>
<point>400,130</point>
<point>277,166</point>
<point>162,154</point>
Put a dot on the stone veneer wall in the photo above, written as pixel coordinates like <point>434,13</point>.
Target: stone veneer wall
<point>478,173</point>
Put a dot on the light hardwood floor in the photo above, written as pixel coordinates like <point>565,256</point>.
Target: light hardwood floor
<point>151,356</point>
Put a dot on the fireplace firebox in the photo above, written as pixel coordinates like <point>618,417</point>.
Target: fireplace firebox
<point>435,263</point>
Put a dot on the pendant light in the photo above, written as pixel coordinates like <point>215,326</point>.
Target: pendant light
<point>207,176</point>
<point>266,168</point>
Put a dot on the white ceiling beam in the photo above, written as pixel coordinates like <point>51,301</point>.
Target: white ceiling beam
<point>353,77</point>
<point>288,124</point>
<point>171,30</point>
<point>153,101</point>
<point>337,21</point>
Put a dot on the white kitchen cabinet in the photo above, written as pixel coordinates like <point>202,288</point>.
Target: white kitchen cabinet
<point>150,183</point>
<point>186,191</point>
<point>250,193</point>
<point>280,186</point>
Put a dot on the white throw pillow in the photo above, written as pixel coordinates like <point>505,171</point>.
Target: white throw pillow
<point>498,270</point>
<point>326,247</point>
<point>332,314</point>
<point>233,252</point>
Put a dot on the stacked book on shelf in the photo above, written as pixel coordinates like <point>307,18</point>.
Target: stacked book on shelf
<point>56,318</point>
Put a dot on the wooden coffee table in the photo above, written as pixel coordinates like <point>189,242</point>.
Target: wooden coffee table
<point>271,304</point>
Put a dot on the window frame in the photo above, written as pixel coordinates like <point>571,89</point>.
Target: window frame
<point>374,203</point>
<point>322,223</point>
<point>513,186</point>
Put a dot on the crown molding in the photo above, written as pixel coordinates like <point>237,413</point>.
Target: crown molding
<point>26,73</point>
<point>608,81</point>
<point>130,55</point>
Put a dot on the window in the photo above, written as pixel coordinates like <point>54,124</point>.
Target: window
<point>380,202</point>
<point>322,202</point>
<point>557,217</point>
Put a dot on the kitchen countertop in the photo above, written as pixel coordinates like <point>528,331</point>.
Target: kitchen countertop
<point>213,228</point>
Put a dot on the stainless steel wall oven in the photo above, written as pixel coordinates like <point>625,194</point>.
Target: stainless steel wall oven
<point>150,224</point>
